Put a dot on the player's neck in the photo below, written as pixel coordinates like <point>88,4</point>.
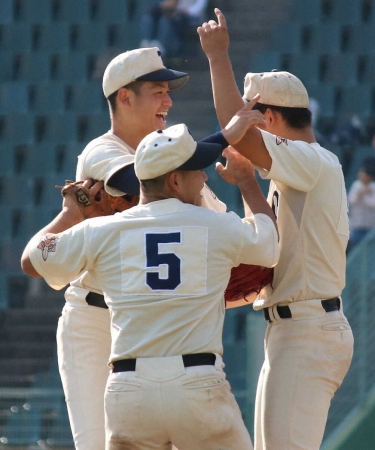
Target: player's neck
<point>295,134</point>
<point>126,133</point>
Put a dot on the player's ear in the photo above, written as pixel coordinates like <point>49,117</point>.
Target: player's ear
<point>272,116</point>
<point>173,181</point>
<point>123,96</point>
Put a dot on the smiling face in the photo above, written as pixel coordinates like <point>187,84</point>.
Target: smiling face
<point>150,106</point>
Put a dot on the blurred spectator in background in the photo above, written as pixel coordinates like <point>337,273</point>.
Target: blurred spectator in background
<point>347,136</point>
<point>165,24</point>
<point>361,199</point>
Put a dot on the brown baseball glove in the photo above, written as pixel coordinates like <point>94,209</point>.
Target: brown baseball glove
<point>90,205</point>
<point>245,283</point>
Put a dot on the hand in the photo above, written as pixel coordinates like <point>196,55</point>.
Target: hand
<point>83,199</point>
<point>237,167</point>
<point>214,36</point>
<point>242,121</point>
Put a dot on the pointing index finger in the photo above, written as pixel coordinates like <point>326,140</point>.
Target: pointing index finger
<point>220,17</point>
<point>254,101</point>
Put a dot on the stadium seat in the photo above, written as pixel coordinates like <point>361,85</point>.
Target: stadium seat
<point>123,37</point>
<point>67,158</point>
<point>6,223</point>
<point>4,291</point>
<point>287,38</point>
<point>136,11</point>
<point>357,100</point>
<point>52,37</point>
<point>7,71</point>
<point>91,37</point>
<point>34,67</point>
<point>50,196</point>
<point>72,11</point>
<point>57,128</point>
<point>16,190</point>
<point>70,67</point>
<point>305,66</point>
<point>86,98</point>
<point>92,126</point>
<point>341,69</point>
<point>115,11</point>
<point>362,37</point>
<point>14,97</point>
<point>230,325</point>
<point>39,159</point>
<point>326,96</point>
<point>48,98</point>
<point>265,61</point>
<point>17,128</point>
<point>7,166</point>
<point>306,12</point>
<point>34,11</point>
<point>16,37</point>
<point>346,12</point>
<point>6,11</point>
<point>325,38</point>
<point>368,69</point>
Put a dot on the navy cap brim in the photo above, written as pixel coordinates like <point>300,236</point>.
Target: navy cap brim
<point>175,78</point>
<point>125,180</point>
<point>205,154</point>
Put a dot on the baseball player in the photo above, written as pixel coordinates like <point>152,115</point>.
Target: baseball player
<point>308,343</point>
<point>137,85</point>
<point>163,267</point>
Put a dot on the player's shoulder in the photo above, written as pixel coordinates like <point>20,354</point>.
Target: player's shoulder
<point>105,141</point>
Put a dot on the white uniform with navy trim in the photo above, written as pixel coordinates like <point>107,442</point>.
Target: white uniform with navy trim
<point>83,334</point>
<point>164,284</point>
<point>306,357</point>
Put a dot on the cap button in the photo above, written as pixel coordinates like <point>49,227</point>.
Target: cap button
<point>159,131</point>
<point>274,70</point>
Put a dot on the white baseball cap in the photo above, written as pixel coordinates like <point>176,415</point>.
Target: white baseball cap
<point>143,64</point>
<point>277,89</point>
<point>174,148</point>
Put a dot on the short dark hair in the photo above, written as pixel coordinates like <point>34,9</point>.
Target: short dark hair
<point>154,184</point>
<point>294,117</point>
<point>134,86</point>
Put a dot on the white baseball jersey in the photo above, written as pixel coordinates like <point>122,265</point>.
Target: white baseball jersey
<point>163,268</point>
<point>100,159</point>
<point>307,194</point>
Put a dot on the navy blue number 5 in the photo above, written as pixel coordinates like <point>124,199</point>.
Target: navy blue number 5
<point>155,259</point>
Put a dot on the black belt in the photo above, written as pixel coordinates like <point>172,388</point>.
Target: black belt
<point>332,304</point>
<point>94,299</point>
<point>196,359</point>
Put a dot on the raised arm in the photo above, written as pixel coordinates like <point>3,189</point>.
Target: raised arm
<point>214,39</point>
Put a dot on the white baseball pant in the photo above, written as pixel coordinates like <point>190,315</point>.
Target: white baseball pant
<point>162,402</point>
<point>306,360</point>
<point>83,349</point>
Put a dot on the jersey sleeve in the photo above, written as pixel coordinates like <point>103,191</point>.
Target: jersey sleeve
<point>62,257</point>
<point>259,242</point>
<point>211,201</point>
<point>100,161</point>
<point>294,163</point>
